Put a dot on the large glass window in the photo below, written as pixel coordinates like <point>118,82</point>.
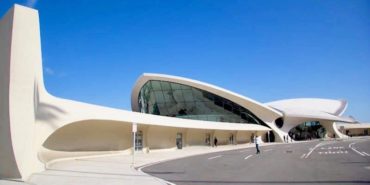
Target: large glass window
<point>182,101</point>
<point>307,131</point>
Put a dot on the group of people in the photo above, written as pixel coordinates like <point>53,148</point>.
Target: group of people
<point>257,141</point>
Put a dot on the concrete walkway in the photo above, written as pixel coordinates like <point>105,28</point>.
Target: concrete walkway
<point>118,169</point>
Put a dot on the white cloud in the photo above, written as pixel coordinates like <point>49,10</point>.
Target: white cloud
<point>31,3</point>
<point>49,71</point>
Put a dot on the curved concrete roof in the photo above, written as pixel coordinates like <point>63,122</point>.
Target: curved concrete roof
<point>262,111</point>
<point>325,109</point>
<point>335,107</point>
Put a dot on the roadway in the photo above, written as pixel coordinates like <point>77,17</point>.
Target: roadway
<point>315,162</point>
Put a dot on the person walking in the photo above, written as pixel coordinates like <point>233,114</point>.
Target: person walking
<point>257,141</point>
<point>215,141</point>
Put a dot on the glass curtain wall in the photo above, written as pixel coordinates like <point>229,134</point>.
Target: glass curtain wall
<point>308,130</point>
<point>182,101</point>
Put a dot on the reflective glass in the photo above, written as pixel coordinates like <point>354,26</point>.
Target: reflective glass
<point>156,85</point>
<point>177,95</point>
<point>182,101</point>
<point>165,86</point>
<point>188,95</point>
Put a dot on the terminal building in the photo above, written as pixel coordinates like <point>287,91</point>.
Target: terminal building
<point>168,112</point>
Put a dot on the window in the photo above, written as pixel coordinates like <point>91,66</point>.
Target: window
<point>183,101</point>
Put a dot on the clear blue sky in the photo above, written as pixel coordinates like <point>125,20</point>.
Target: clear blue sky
<point>93,51</point>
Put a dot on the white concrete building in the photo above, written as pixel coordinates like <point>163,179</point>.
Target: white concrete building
<point>170,112</point>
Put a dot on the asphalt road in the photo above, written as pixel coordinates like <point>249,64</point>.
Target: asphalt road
<point>317,162</point>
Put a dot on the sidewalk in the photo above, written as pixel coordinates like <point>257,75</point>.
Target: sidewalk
<point>118,169</point>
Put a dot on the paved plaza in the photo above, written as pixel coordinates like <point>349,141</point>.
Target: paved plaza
<point>312,162</point>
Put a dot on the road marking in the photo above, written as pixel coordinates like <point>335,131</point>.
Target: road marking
<point>302,156</point>
<point>365,153</point>
<point>320,153</point>
<point>322,148</point>
<point>354,149</point>
<point>267,150</point>
<point>248,156</point>
<point>312,149</point>
<point>243,151</point>
<point>214,157</point>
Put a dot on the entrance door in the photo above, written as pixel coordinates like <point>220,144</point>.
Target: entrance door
<point>179,140</point>
<point>208,139</point>
<point>139,141</point>
<point>231,139</point>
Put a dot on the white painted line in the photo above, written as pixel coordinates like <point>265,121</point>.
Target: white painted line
<point>248,156</point>
<point>309,153</point>
<point>243,151</point>
<point>365,153</point>
<point>267,150</point>
<point>326,152</point>
<point>350,146</point>
<point>320,153</point>
<point>322,148</point>
<point>214,157</point>
<point>302,156</point>
<point>346,152</point>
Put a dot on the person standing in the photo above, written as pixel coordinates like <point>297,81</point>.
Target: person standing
<point>215,141</point>
<point>257,141</point>
<point>287,138</point>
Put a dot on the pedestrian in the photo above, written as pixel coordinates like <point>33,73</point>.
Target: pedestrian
<point>257,142</point>
<point>284,139</point>
<point>215,141</point>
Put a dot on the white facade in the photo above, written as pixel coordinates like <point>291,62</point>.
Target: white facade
<point>37,128</point>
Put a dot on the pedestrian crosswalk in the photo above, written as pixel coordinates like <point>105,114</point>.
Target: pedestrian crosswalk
<point>333,152</point>
<point>330,150</point>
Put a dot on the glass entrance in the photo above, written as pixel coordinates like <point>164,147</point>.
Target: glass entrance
<point>179,140</point>
<point>139,141</point>
<point>208,139</point>
<point>307,131</point>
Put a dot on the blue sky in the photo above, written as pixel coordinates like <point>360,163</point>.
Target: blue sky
<point>93,51</point>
